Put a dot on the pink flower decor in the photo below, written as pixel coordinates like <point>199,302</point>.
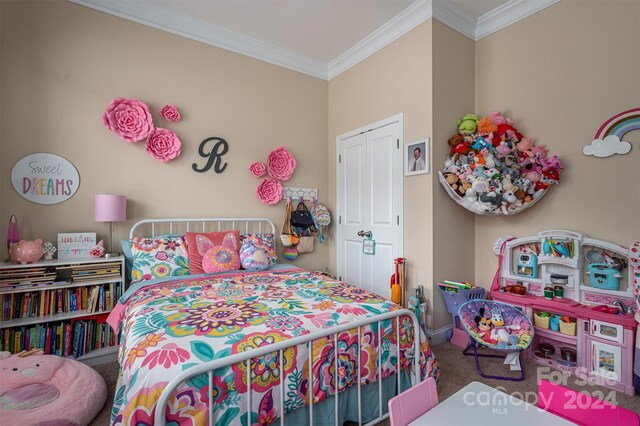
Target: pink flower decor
<point>171,113</point>
<point>130,119</point>
<point>281,163</point>
<point>258,169</point>
<point>163,144</point>
<point>269,191</point>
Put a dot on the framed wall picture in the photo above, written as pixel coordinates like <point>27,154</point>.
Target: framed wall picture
<point>416,157</point>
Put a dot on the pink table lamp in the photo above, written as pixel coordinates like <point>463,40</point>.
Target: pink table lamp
<point>110,208</point>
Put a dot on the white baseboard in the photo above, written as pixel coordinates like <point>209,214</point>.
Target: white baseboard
<point>438,336</point>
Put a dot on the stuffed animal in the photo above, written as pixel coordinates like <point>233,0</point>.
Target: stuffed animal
<point>479,184</point>
<point>513,203</point>
<point>486,127</point>
<point>483,325</point>
<point>551,163</point>
<point>530,169</point>
<point>500,332</point>
<point>503,149</point>
<point>48,390</point>
<point>498,118</point>
<point>506,132</point>
<point>468,124</point>
<point>494,198</point>
<point>523,183</point>
<point>547,179</point>
<point>453,180</point>
<point>483,206</point>
<point>539,151</point>
<point>480,143</point>
<point>524,145</point>
<point>489,159</point>
<point>455,140</point>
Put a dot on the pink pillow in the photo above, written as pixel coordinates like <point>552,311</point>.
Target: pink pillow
<point>195,253</point>
<point>220,259</point>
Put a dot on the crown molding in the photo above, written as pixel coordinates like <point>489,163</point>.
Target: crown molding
<point>166,19</point>
<point>399,25</point>
<point>174,22</point>
<point>507,14</point>
<point>449,15</point>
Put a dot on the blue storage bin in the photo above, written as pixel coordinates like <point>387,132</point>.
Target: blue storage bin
<point>604,277</point>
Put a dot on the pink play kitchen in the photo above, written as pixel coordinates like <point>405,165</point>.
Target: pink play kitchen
<point>581,294</point>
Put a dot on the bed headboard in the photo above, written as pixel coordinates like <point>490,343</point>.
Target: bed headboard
<point>245,225</point>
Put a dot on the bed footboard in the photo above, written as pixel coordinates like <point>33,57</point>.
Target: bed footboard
<point>308,339</point>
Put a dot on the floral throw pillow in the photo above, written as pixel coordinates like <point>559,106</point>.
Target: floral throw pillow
<point>158,257</point>
<point>264,241</point>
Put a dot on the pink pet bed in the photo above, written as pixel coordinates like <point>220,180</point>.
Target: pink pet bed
<point>48,390</point>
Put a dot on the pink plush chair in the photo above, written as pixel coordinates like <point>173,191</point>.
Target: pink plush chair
<point>412,403</point>
<point>582,408</point>
<point>48,390</point>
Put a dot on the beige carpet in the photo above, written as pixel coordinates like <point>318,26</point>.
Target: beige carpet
<point>456,371</point>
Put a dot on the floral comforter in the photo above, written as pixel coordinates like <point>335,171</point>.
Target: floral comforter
<point>170,327</point>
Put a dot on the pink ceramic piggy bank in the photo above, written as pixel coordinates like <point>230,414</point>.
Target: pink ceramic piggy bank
<point>26,251</point>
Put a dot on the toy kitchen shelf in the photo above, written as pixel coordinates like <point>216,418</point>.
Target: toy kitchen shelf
<point>583,278</point>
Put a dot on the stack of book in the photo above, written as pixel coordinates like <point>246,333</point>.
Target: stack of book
<point>11,279</point>
<point>65,338</point>
<point>99,298</point>
<point>95,271</point>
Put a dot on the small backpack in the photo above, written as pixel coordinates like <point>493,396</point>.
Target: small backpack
<point>321,218</point>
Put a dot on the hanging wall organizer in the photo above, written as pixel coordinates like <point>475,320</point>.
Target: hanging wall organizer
<point>297,193</point>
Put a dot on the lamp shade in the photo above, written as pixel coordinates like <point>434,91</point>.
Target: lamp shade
<point>110,208</point>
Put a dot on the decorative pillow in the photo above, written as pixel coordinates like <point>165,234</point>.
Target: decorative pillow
<point>195,252</point>
<point>264,241</point>
<point>220,259</point>
<point>128,256</point>
<point>253,258</point>
<point>158,257</point>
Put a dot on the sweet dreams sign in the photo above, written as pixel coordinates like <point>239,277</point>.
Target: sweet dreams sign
<point>45,178</point>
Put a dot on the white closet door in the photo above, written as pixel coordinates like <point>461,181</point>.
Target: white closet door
<point>370,200</point>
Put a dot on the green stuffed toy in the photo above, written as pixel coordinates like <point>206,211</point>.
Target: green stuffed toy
<point>468,124</point>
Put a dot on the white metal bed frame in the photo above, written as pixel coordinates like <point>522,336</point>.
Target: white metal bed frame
<point>281,346</point>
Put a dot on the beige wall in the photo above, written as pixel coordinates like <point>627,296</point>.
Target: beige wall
<point>61,65</point>
<point>396,79</point>
<point>453,227</point>
<point>560,74</point>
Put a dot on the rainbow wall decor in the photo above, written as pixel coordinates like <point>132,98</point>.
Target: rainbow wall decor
<point>608,139</point>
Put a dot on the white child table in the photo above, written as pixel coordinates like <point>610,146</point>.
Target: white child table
<point>480,405</point>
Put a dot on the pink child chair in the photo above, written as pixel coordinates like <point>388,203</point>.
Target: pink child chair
<point>582,408</point>
<point>412,403</point>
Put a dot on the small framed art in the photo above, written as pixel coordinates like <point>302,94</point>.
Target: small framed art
<point>416,157</point>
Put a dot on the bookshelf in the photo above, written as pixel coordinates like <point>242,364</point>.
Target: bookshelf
<point>61,306</point>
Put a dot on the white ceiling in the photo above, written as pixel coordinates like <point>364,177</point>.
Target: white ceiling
<point>319,29</point>
<point>322,38</point>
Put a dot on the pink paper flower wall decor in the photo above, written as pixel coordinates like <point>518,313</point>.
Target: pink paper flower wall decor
<point>258,169</point>
<point>281,164</point>
<point>269,191</point>
<point>163,144</point>
<point>170,112</point>
<point>130,119</point>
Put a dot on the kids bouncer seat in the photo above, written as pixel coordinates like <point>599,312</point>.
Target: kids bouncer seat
<point>498,326</point>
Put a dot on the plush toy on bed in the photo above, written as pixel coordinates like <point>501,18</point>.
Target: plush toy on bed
<point>253,258</point>
<point>48,390</point>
